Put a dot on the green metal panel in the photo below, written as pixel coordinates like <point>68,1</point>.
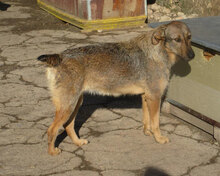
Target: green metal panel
<point>204,71</point>
<point>197,85</point>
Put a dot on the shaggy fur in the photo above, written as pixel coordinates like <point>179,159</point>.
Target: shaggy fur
<point>139,66</point>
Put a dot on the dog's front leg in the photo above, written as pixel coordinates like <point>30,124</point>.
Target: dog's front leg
<point>146,116</point>
<point>154,111</point>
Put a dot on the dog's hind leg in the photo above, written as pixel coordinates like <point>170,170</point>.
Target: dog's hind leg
<point>61,117</point>
<point>154,110</point>
<point>65,104</point>
<point>146,116</point>
<point>69,126</point>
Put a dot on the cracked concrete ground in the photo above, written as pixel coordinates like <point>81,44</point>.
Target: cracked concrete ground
<point>113,126</point>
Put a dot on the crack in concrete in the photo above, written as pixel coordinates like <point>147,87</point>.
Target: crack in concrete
<point>7,68</point>
<point>123,115</point>
<point>41,20</point>
<point>59,172</point>
<point>31,83</point>
<point>85,165</point>
<point>21,143</point>
<point>12,115</point>
<point>211,161</point>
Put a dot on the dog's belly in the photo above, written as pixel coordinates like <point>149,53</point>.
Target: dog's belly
<point>116,90</point>
<point>129,89</point>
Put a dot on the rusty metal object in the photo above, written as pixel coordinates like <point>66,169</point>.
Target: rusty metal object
<point>208,54</point>
<point>195,113</point>
<point>98,14</point>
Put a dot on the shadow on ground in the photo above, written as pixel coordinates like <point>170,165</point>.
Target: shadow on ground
<point>93,102</point>
<point>4,6</point>
<point>151,171</point>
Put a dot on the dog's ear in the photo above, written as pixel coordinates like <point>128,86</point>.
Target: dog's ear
<point>158,35</point>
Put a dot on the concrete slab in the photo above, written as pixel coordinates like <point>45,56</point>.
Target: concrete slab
<point>112,125</point>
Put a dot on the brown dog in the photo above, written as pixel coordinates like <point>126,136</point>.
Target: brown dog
<point>139,66</point>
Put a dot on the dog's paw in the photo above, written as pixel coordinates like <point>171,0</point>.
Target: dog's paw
<point>81,142</point>
<point>55,151</point>
<point>147,132</point>
<point>162,139</point>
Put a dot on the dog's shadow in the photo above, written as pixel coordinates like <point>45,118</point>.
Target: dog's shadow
<point>4,6</point>
<point>181,68</point>
<point>93,102</point>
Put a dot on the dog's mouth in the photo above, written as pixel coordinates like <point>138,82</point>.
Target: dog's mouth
<point>184,58</point>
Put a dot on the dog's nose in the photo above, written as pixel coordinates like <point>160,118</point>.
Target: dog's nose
<point>191,54</point>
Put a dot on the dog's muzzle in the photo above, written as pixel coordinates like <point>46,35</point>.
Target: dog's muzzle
<point>190,54</point>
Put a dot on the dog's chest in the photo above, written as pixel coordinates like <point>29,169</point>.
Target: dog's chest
<point>51,76</point>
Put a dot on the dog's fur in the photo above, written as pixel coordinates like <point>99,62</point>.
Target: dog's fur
<point>139,66</point>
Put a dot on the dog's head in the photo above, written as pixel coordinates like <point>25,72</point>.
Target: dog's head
<point>176,38</point>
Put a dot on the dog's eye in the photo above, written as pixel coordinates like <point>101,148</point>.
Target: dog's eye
<point>177,40</point>
<point>189,37</point>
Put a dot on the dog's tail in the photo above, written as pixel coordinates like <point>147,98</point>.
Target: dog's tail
<point>51,59</point>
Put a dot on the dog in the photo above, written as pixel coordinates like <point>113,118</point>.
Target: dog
<point>140,66</point>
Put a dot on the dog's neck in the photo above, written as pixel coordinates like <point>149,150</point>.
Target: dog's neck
<point>157,52</point>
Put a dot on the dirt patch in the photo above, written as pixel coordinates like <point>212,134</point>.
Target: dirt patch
<point>39,19</point>
<point>200,7</point>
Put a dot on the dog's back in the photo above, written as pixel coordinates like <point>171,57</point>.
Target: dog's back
<point>109,69</point>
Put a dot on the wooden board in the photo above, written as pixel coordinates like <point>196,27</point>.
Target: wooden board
<point>98,15</point>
